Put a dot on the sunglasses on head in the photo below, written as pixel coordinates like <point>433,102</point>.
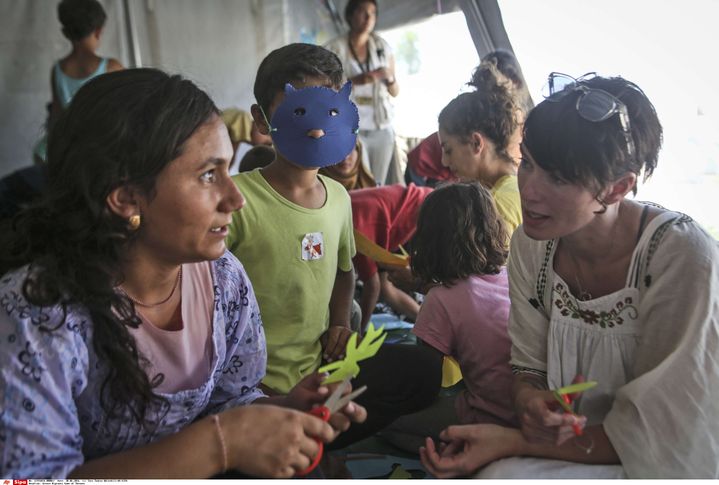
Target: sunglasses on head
<point>595,105</point>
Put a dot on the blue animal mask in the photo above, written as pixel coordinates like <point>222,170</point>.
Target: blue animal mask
<point>315,126</point>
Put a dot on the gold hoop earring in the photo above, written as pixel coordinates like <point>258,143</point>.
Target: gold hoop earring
<point>134,222</point>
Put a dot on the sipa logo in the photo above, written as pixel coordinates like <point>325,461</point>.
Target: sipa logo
<point>19,482</point>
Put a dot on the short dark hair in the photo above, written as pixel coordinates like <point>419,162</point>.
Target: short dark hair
<point>491,111</point>
<point>352,5</point>
<point>256,157</point>
<point>594,154</point>
<point>294,62</point>
<point>122,128</point>
<point>80,18</point>
<point>459,234</point>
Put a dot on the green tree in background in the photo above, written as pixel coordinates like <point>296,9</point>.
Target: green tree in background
<point>408,53</point>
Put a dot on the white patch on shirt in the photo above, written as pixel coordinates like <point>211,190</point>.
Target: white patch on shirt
<point>313,246</point>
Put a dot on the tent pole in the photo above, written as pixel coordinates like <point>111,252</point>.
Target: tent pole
<point>135,57</point>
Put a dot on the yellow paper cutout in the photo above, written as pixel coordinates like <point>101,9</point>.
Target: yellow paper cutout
<point>346,367</point>
<point>451,373</point>
<point>399,473</point>
<point>377,253</point>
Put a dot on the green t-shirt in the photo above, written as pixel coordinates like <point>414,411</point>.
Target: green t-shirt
<point>291,255</point>
<point>506,197</point>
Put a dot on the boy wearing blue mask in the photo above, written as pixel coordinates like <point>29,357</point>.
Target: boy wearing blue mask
<point>295,238</point>
<point>296,242</point>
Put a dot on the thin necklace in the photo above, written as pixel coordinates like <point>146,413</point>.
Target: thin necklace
<point>151,305</point>
<point>364,68</point>
<point>584,295</point>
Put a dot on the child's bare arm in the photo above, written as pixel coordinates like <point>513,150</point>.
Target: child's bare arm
<point>334,341</point>
<point>397,299</point>
<point>114,65</point>
<point>370,295</point>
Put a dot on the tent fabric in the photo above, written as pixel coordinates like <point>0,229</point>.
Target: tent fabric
<point>218,44</point>
<point>486,27</point>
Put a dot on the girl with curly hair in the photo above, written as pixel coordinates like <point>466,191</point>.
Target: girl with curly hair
<point>480,133</point>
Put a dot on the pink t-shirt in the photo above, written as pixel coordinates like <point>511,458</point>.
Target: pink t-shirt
<point>468,321</point>
<point>183,356</point>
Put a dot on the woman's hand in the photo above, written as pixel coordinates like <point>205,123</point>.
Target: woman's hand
<point>334,342</point>
<point>464,449</point>
<point>307,393</point>
<point>310,392</point>
<point>271,441</point>
<point>351,413</point>
<point>542,418</point>
<point>362,78</point>
<point>382,74</point>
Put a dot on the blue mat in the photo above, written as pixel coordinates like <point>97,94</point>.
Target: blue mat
<point>390,321</point>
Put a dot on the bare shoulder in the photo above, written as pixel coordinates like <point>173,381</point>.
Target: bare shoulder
<point>114,65</point>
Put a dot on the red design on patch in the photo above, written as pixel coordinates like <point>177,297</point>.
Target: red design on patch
<point>312,246</point>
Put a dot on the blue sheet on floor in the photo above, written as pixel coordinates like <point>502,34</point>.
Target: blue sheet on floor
<point>390,321</point>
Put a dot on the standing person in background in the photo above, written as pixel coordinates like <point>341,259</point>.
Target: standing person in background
<point>368,62</point>
<point>82,23</point>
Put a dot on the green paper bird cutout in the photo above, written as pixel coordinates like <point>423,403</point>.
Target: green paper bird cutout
<point>346,367</point>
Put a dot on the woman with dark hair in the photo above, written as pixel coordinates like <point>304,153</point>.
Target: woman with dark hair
<point>607,289</point>
<point>368,62</point>
<point>130,338</point>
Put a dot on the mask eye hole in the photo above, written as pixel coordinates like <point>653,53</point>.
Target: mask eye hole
<point>334,112</point>
<point>300,112</point>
